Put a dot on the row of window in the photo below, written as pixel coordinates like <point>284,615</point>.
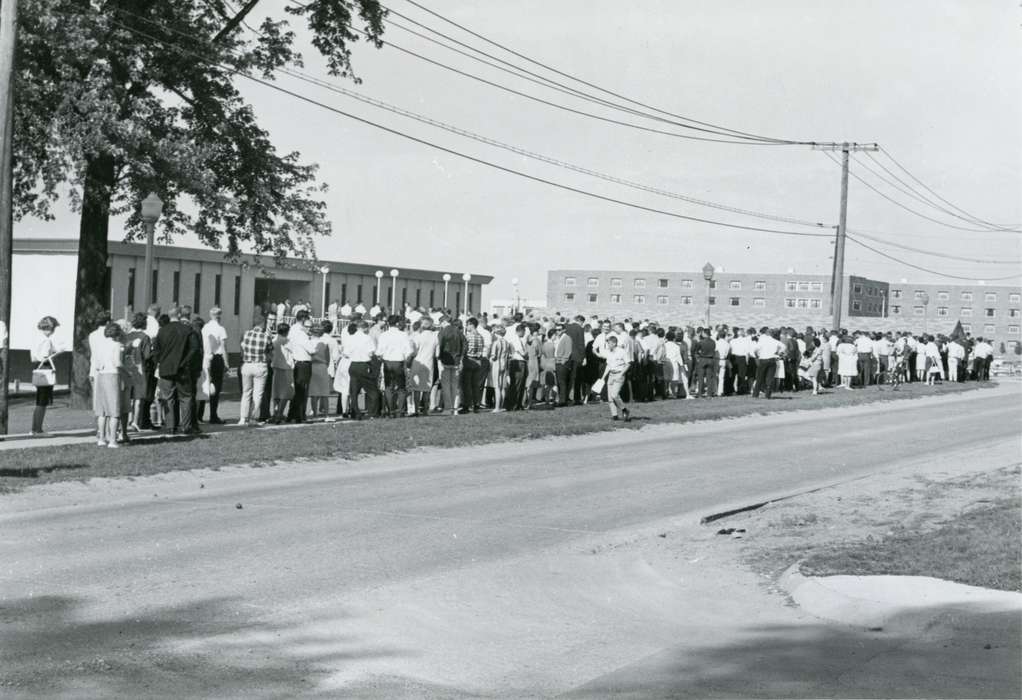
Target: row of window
<point>664,283</point>
<point>990,329</point>
<point>990,297</point>
<point>176,289</point>
<point>965,311</point>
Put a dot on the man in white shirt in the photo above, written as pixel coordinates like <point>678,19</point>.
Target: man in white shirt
<point>955,359</point>
<point>360,308</point>
<point>395,349</point>
<point>152,324</point>
<point>618,362</point>
<point>723,364</point>
<point>302,347</point>
<point>361,350</point>
<point>375,311</point>
<point>883,348</point>
<point>331,311</point>
<point>767,351</point>
<point>864,347</point>
<point>741,346</point>
<point>214,360</point>
<point>983,352</point>
<point>345,311</point>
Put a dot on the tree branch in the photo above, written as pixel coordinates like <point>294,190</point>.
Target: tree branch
<point>235,21</point>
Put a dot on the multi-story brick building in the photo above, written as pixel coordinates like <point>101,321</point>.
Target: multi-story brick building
<point>797,300</point>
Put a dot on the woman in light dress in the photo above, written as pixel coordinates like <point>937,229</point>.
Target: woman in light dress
<point>138,348</point>
<point>935,365</point>
<point>109,383</point>
<point>812,364</point>
<point>500,356</point>
<point>420,374</point>
<point>44,350</point>
<point>674,366</point>
<point>342,379</point>
<point>203,386</point>
<point>283,388</point>
<point>847,362</point>
<point>319,382</point>
<point>921,358</point>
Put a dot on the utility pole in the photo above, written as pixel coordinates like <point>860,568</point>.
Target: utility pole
<point>8,35</point>
<point>837,283</point>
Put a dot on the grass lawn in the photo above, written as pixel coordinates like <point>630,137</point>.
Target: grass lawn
<point>25,467</point>
<point>980,548</point>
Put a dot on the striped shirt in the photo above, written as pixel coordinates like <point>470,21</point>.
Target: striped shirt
<point>473,343</point>
<point>255,346</point>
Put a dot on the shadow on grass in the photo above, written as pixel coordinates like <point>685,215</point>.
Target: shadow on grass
<point>963,652</point>
<point>35,472</point>
<point>53,646</point>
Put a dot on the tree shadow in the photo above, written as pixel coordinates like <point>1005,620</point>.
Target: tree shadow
<point>939,652</point>
<point>34,472</point>
<point>53,646</point>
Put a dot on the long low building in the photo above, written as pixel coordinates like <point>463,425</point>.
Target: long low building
<point>790,299</point>
<point>44,274</point>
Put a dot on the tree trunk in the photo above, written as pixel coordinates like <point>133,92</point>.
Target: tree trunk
<point>90,300</point>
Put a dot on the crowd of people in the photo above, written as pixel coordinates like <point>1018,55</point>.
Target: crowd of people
<point>162,369</point>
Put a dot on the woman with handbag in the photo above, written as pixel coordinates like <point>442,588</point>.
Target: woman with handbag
<point>44,376</point>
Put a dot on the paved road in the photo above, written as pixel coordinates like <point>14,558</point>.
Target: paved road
<point>430,573</point>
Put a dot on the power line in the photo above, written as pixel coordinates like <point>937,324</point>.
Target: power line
<point>884,241</point>
<point>589,84</point>
<point>425,142</point>
<point>931,191</point>
<point>926,269</point>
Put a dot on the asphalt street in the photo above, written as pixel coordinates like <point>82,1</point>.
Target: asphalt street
<point>440,572</point>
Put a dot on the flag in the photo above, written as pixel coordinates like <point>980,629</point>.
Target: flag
<point>958,333</point>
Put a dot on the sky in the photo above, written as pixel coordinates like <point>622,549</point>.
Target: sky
<point>935,82</point>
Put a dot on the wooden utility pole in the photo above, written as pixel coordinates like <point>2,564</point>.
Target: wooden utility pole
<point>838,281</point>
<point>8,33</point>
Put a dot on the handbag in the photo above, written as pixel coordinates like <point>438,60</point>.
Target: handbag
<point>44,377</point>
<point>597,386</point>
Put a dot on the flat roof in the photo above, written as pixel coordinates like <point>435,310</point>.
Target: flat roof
<point>69,246</point>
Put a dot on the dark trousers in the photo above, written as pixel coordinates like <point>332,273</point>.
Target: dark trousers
<point>705,375</point>
<point>565,372</point>
<point>394,390</point>
<point>765,371</point>
<point>264,404</point>
<point>865,368</point>
<point>217,369</point>
<point>577,379</point>
<point>740,367</point>
<point>517,371</point>
<point>179,391</point>
<point>144,418</point>
<point>484,372</point>
<point>911,364</point>
<point>882,367</point>
<point>363,377</point>
<point>471,383</point>
<point>299,402</point>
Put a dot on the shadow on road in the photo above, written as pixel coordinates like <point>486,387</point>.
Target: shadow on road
<point>213,648</point>
<point>955,653</point>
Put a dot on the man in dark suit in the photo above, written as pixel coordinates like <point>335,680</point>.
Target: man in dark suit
<point>178,349</point>
<point>576,377</point>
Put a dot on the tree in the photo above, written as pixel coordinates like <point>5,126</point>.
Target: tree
<point>138,96</point>
<point>1001,349</point>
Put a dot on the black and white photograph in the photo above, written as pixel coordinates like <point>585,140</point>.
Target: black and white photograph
<point>453,349</point>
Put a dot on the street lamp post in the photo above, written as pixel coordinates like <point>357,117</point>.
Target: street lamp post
<point>447,280</point>
<point>324,271</point>
<point>708,276</point>
<point>393,291</point>
<point>466,277</point>
<point>152,208</point>
<point>379,277</point>
<point>514,284</point>
<point>925,298</point>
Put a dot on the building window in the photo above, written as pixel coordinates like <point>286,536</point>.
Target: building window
<point>734,284</point>
<point>943,296</point>
<point>713,301</point>
<point>856,306</point>
<point>896,294</point>
<point>802,303</point>
<point>176,289</point>
<point>990,297</point>
<point>789,303</point>
<point>686,301</point>
<point>1012,330</point>
<point>942,311</point>
<point>871,291</point>
<point>759,285</point>
<point>966,296</point>
<point>857,289</point>
<point>217,281</point>
<point>662,283</point>
<point>471,302</point>
<point>615,282</point>
<point>131,287</point>
<point>803,286</point>
<point>390,298</point>
<point>156,284</point>
<point>895,309</point>
<point>661,300</point>
<point>639,284</point>
<point>570,296</point>
<point>816,286</point>
<point>713,284</point>
<point>686,284</point>
<point>1013,313</point>
<point>569,281</point>
<point>989,329</point>
<point>432,298</point>
<point>1014,298</point>
<point>918,310</point>
<point>593,282</point>
<point>989,313</point>
<point>457,300</point>
<point>967,327</point>
<point>919,293</point>
<point>790,286</point>
<point>404,295</point>
<point>735,301</point>
<point>966,311</point>
<point>815,303</point>
<point>615,298</point>
<point>759,302</point>
<point>358,295</point>
<point>593,298</point>
<point>198,291</point>
<point>418,297</point>
<point>639,298</point>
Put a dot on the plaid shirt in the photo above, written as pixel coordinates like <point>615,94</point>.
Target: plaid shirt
<point>473,343</point>
<point>255,346</point>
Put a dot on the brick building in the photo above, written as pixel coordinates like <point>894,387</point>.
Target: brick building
<point>791,299</point>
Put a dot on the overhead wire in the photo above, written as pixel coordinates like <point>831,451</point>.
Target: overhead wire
<point>934,253</point>
<point>906,263</point>
<point>303,98</point>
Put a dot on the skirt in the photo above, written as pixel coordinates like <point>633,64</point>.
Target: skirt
<point>283,383</point>
<point>342,380</point>
<point>319,383</point>
<point>106,401</point>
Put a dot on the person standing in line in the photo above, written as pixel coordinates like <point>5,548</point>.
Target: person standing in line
<point>109,383</point>
<point>203,389</point>
<point>44,349</point>
<point>548,368</point>
<point>96,339</point>
<point>472,368</point>
<point>847,362</point>
<point>451,353</point>
<point>563,359</point>
<point>864,349</point>
<point>517,368</point>
<point>342,375</point>
<point>500,356</point>
<point>739,362</point>
<point>533,351</point>
<point>955,359</point>
<point>176,349</point>
<point>214,342</point>
<point>420,374</point>
<point>485,388</point>
<point>319,375</point>
<point>302,347</point>
<point>137,357</point>
<point>706,359</point>
<point>283,388</point>
<point>361,350</point>
<point>576,334</point>
<point>767,352</point>
<point>882,348</point>
<point>270,331</point>
<point>618,361</point>
<point>723,350</point>
<point>811,365</point>
<point>256,356</point>
<point>395,350</point>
